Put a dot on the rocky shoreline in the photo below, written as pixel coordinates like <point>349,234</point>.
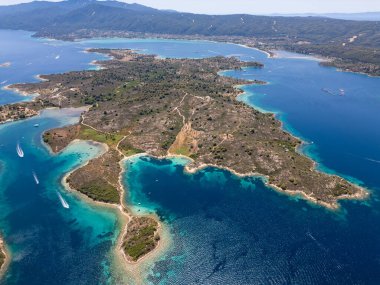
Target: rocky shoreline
<point>174,107</point>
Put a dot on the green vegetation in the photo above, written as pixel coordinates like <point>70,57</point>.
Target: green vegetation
<point>183,150</point>
<point>47,137</point>
<point>100,190</point>
<point>341,189</point>
<point>99,179</point>
<point>105,17</point>
<point>141,237</point>
<point>130,85</point>
<point>139,245</point>
<point>311,35</point>
<point>363,58</point>
<point>87,133</point>
<point>15,112</point>
<point>167,143</point>
<point>183,106</point>
<point>128,149</point>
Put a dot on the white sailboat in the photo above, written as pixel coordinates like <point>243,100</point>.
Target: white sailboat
<point>19,150</point>
<point>63,201</point>
<point>36,178</point>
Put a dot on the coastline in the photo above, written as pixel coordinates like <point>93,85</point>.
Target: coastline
<point>162,230</point>
<point>7,257</point>
<point>17,90</point>
<point>313,57</point>
<point>331,206</point>
<point>133,268</point>
<point>242,92</point>
<point>254,43</point>
<point>339,69</point>
<point>361,195</point>
<point>40,78</point>
<point>363,192</point>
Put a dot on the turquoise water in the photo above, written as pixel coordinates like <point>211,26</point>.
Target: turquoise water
<point>43,236</point>
<point>224,229</point>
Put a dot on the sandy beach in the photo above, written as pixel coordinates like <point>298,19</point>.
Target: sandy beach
<point>18,91</point>
<point>134,269</point>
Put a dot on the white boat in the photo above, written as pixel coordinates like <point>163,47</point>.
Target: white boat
<point>57,57</point>
<point>36,125</point>
<point>36,178</point>
<point>63,202</point>
<point>19,150</point>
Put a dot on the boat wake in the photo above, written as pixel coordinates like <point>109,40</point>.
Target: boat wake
<point>365,158</point>
<point>36,178</point>
<point>19,150</point>
<point>63,201</point>
<point>341,92</point>
<point>316,241</point>
<point>338,264</point>
<point>372,160</point>
<point>328,91</point>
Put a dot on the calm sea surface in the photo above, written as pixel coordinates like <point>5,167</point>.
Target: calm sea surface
<point>225,230</point>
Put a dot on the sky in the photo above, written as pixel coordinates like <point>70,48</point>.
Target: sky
<point>254,6</point>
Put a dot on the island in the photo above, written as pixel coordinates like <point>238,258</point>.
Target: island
<point>174,107</point>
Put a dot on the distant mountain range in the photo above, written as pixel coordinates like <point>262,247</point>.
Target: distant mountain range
<point>72,15</point>
<point>353,42</point>
<point>369,16</point>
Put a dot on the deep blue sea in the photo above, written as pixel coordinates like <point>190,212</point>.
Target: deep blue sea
<point>224,229</point>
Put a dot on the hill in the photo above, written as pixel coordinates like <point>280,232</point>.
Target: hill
<point>368,16</point>
<point>347,42</point>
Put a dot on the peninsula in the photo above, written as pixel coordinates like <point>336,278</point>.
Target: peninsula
<point>160,107</point>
